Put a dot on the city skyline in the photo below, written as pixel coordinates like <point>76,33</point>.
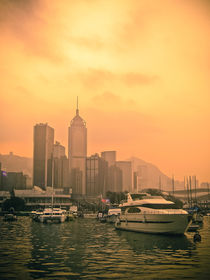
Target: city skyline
<point>140,69</point>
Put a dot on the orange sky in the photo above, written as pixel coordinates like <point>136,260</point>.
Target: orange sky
<point>141,70</point>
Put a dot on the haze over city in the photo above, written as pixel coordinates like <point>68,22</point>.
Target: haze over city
<point>140,69</point>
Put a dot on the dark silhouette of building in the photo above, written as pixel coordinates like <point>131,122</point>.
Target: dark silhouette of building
<point>60,167</point>
<point>127,175</point>
<point>43,155</point>
<point>13,180</point>
<point>97,176</point>
<point>114,179</point>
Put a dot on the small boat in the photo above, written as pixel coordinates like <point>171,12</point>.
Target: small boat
<point>52,215</point>
<point>90,215</point>
<point>70,216</point>
<point>112,215</point>
<point>35,214</point>
<point>10,217</point>
<point>152,214</point>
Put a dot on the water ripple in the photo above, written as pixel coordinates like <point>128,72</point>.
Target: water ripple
<point>87,249</point>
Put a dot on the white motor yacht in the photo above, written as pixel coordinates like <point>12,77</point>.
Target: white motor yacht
<point>55,215</point>
<point>152,214</point>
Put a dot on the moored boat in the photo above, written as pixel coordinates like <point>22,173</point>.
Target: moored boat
<point>152,214</point>
<point>112,215</point>
<point>35,214</point>
<point>53,215</point>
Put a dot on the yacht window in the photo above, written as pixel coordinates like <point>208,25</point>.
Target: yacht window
<point>160,206</point>
<point>136,196</point>
<point>134,210</point>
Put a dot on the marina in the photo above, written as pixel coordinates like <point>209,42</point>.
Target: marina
<point>87,249</point>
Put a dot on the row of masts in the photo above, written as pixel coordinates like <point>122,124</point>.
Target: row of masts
<point>190,189</point>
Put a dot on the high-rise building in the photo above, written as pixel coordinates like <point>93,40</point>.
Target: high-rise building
<point>60,167</point>
<point>59,150</point>
<point>97,175</point>
<point>16,180</point>
<point>142,172</point>
<point>43,155</point>
<point>109,156</point>
<point>77,153</point>
<point>114,179</point>
<point>127,175</point>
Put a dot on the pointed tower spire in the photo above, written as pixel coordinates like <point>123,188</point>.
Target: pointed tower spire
<point>77,110</point>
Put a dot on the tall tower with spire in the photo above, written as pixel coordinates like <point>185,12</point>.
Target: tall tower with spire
<point>77,153</point>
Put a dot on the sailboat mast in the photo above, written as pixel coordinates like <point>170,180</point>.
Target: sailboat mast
<point>190,191</point>
<point>173,184</point>
<point>195,191</point>
<point>188,198</point>
<point>160,183</point>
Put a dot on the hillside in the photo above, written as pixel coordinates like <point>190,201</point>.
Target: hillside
<point>151,177</point>
<point>14,163</point>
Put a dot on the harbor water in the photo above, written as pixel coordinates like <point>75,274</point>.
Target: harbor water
<point>88,249</point>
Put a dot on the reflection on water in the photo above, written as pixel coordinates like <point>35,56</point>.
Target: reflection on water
<point>141,242</point>
<point>87,249</point>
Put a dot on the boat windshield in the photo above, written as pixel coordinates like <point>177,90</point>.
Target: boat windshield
<point>136,196</point>
<point>160,206</point>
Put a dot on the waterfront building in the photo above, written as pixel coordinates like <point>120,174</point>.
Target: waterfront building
<point>109,156</point>
<point>38,198</point>
<point>127,175</point>
<point>43,155</point>
<point>97,175</point>
<point>77,153</point>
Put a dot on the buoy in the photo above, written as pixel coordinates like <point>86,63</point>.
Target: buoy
<point>197,237</point>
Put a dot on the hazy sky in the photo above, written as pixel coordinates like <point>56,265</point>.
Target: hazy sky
<point>141,70</point>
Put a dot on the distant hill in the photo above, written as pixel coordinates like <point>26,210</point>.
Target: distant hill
<point>14,163</point>
<point>151,177</point>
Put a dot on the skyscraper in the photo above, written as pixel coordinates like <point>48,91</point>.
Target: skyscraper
<point>97,176</point>
<point>109,156</point>
<point>127,175</point>
<point>77,153</point>
<point>60,167</point>
<point>43,155</point>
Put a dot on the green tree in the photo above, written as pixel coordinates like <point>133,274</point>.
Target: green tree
<point>14,202</point>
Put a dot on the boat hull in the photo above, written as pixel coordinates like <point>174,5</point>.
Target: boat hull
<point>52,218</point>
<point>154,223</point>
